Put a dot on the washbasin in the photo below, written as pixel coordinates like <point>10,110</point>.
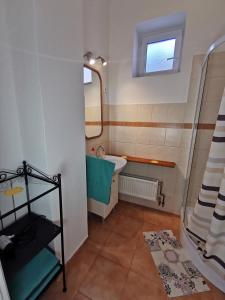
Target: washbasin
<point>119,161</point>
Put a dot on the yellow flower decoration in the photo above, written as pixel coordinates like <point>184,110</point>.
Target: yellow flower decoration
<point>13,191</point>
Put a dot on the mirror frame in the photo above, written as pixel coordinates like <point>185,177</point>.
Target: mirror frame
<point>101,100</point>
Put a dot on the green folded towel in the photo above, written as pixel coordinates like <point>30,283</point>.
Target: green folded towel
<point>99,178</point>
<point>33,275</point>
<point>34,295</point>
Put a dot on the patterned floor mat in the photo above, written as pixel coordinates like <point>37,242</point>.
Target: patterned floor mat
<point>179,275</point>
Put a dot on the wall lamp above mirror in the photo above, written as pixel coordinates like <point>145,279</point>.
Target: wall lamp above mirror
<point>91,59</point>
<point>103,61</point>
<point>93,102</point>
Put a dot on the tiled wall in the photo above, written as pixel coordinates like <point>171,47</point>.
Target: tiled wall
<point>161,142</point>
<point>150,142</point>
<point>213,90</point>
<point>155,131</point>
<point>165,134</point>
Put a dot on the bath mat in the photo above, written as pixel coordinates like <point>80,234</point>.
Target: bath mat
<point>179,275</point>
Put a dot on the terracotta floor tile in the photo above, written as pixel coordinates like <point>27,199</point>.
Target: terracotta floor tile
<point>89,246</point>
<point>143,264</point>
<point>98,237</point>
<point>157,227</point>
<point>79,296</point>
<point>119,249</point>
<point>130,210</point>
<point>110,222</point>
<point>99,270</point>
<point>79,266</point>
<point>213,294</point>
<point>128,227</point>
<point>140,288</point>
<point>161,219</point>
<point>55,292</point>
<point>105,280</point>
<point>95,222</point>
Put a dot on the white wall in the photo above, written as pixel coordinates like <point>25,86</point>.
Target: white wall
<point>205,22</point>
<point>10,141</point>
<point>46,50</point>
<point>96,26</point>
<point>96,38</point>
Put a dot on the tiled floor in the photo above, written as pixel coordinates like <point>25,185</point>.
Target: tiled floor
<point>115,264</point>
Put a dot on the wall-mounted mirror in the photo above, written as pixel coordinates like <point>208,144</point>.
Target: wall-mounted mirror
<point>93,102</point>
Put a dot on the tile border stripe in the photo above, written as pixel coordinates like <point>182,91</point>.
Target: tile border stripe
<point>207,126</point>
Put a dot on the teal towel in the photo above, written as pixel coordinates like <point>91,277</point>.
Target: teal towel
<point>30,277</point>
<point>34,295</point>
<point>99,178</point>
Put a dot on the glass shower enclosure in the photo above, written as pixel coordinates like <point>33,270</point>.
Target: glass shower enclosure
<point>210,90</point>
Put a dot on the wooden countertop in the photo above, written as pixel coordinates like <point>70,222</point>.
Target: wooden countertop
<point>156,162</point>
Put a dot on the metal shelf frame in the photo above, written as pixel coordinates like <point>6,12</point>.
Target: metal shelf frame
<point>25,172</point>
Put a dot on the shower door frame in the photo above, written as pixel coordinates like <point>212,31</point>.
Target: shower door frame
<point>204,66</point>
<point>186,241</point>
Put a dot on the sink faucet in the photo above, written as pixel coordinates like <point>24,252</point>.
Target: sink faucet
<point>98,152</point>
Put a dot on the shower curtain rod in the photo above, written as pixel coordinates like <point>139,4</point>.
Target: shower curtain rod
<point>212,47</point>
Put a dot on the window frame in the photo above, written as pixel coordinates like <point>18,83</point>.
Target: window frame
<point>148,38</point>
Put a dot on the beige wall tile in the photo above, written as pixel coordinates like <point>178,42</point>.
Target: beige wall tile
<point>123,112</point>
<point>145,151</point>
<point>190,110</point>
<point>159,112</point>
<point>216,65</point>
<point>112,133</point>
<point>200,158</point>
<point>203,139</point>
<point>144,113</point>
<point>113,112</point>
<point>150,136</point>
<point>186,137</point>
<point>123,134</point>
<point>122,148</point>
<point>169,181</point>
<point>156,152</point>
<point>173,137</point>
<point>175,113</point>
<point>180,186</point>
<point>209,112</point>
<point>167,153</point>
<point>214,88</point>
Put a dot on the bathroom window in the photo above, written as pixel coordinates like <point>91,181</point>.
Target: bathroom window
<point>160,53</point>
<point>158,45</point>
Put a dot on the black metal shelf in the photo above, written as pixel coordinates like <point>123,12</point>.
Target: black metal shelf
<point>45,232</point>
<point>41,230</point>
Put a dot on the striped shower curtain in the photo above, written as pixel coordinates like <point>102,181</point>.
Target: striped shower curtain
<point>207,222</point>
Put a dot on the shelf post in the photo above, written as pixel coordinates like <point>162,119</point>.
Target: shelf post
<point>26,184</point>
<point>62,234</point>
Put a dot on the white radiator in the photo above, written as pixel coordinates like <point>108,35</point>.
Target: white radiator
<point>144,188</point>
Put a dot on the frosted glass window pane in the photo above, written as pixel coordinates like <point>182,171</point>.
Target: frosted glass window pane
<point>158,54</point>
